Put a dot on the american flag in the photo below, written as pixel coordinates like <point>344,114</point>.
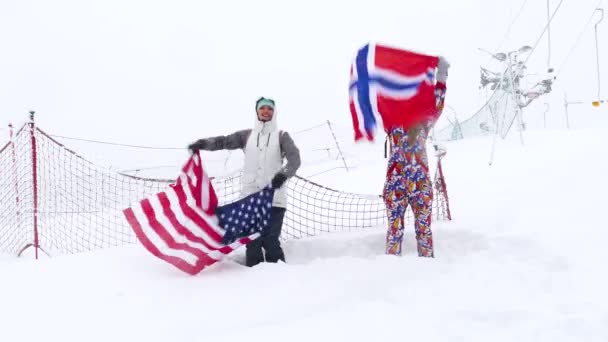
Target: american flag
<point>181,225</point>
<point>390,85</point>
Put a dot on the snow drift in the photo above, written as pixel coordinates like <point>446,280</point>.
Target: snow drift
<point>522,260</point>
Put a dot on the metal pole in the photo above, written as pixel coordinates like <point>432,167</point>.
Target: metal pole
<point>493,148</point>
<point>518,108</point>
<point>549,33</point>
<point>520,120</point>
<point>568,103</point>
<point>566,110</point>
<point>497,121</point>
<point>597,53</point>
<point>548,58</point>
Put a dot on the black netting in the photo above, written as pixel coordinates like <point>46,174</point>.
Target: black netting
<point>495,116</point>
<point>79,204</point>
<point>16,222</point>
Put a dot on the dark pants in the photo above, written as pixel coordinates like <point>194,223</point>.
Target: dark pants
<point>269,242</point>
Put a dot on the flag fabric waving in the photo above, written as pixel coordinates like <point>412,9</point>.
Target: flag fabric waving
<point>180,225</point>
<point>393,86</point>
<point>246,216</point>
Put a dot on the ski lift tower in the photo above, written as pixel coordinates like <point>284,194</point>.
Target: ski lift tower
<point>509,80</point>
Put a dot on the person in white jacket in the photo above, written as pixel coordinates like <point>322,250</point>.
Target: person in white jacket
<point>265,148</point>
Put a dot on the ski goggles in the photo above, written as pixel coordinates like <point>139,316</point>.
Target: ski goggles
<point>262,101</point>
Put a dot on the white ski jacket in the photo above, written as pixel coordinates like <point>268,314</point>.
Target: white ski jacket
<point>265,148</point>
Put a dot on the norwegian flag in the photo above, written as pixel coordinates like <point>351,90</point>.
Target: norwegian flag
<point>393,86</point>
<point>180,225</point>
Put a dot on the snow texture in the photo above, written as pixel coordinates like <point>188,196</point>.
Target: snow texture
<point>523,260</point>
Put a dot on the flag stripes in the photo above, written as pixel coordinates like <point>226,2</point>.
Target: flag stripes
<point>179,225</point>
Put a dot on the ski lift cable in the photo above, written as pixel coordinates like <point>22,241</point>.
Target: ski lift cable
<point>506,36</point>
<point>543,32</point>
<point>578,39</point>
<point>149,147</point>
<point>115,144</point>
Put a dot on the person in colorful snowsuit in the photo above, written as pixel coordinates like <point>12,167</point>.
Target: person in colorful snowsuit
<point>265,147</point>
<point>408,180</point>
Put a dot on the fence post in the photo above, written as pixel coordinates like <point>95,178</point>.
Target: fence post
<point>34,181</point>
<point>337,145</point>
<point>443,187</point>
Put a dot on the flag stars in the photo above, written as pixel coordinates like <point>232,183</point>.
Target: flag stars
<point>247,216</point>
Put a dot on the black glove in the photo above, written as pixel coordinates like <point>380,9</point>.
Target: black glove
<point>197,146</point>
<point>278,180</point>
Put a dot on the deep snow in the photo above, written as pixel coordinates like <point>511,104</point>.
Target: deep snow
<point>523,260</point>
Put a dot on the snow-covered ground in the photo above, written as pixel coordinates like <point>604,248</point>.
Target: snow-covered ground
<point>523,260</point>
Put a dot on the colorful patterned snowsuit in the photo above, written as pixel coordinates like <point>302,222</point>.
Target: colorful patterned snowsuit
<point>408,182</point>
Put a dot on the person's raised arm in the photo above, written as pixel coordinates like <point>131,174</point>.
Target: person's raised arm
<point>234,141</point>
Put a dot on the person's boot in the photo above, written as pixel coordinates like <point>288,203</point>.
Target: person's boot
<point>253,253</point>
<point>273,249</point>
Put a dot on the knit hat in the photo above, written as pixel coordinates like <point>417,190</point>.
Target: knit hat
<point>264,102</point>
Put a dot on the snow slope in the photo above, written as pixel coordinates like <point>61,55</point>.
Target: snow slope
<point>523,260</point>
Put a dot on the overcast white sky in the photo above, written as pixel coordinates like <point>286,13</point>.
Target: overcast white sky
<point>167,72</point>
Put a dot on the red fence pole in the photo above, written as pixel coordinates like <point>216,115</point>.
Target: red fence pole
<point>444,189</point>
<point>35,180</point>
